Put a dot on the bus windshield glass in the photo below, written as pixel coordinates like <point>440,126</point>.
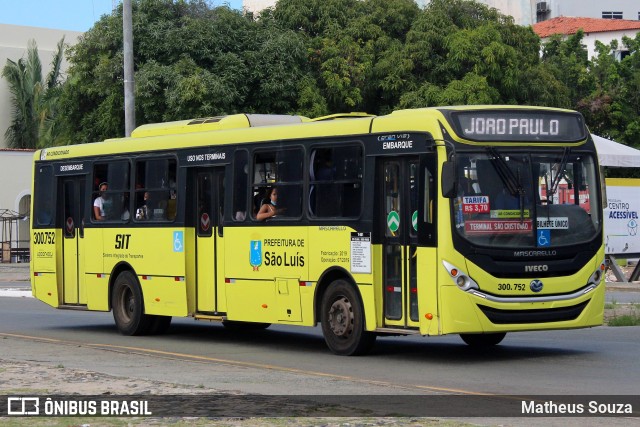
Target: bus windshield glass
<point>525,200</point>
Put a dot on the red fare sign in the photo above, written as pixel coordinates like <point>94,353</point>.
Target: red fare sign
<point>475,204</point>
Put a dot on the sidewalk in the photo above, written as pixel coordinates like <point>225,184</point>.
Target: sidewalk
<point>14,272</point>
<point>19,272</point>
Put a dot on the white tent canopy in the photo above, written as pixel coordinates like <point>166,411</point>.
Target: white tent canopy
<point>611,153</point>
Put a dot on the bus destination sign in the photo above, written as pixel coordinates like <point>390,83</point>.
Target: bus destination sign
<point>519,126</point>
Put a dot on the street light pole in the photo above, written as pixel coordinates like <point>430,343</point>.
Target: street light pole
<point>129,97</point>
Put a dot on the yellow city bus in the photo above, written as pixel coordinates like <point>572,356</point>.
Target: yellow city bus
<point>427,221</point>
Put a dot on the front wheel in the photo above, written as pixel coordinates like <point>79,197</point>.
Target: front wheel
<point>128,306</point>
<point>342,320</point>
<point>483,340</point>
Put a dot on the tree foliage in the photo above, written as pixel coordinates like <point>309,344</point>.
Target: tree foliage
<point>191,60</point>
<point>34,99</point>
<point>317,57</point>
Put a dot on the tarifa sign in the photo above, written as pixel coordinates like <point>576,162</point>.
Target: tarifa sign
<point>622,216</point>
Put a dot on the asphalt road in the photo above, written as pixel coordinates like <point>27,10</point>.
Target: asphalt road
<point>290,360</point>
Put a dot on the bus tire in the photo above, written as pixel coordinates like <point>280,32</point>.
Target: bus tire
<point>342,321</point>
<point>128,306</point>
<point>483,340</point>
<point>236,325</point>
<point>159,325</point>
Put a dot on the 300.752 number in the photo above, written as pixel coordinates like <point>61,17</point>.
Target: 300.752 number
<point>511,286</point>
<point>44,238</point>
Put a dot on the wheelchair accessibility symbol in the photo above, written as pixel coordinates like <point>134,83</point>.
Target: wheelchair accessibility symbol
<point>178,241</point>
<point>544,238</point>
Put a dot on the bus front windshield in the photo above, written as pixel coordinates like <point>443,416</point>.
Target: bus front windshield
<point>525,200</point>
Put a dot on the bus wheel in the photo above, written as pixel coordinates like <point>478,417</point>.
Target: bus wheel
<point>128,306</point>
<point>483,340</point>
<point>244,326</point>
<point>159,325</point>
<point>343,321</point>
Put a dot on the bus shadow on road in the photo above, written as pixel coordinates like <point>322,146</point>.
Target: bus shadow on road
<point>309,340</point>
<point>451,349</point>
<point>304,340</point>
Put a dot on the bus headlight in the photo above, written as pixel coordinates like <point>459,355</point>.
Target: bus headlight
<point>598,274</point>
<point>459,277</point>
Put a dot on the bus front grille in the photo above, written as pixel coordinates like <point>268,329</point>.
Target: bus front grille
<point>544,315</point>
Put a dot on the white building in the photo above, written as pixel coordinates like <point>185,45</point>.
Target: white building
<point>257,5</point>
<point>528,12</point>
<point>13,45</point>
<point>602,30</point>
<point>610,9</point>
<point>15,165</point>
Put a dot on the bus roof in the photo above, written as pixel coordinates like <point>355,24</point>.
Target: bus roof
<point>252,128</point>
<point>234,121</point>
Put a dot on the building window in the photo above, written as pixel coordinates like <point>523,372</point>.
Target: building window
<point>621,54</point>
<point>612,15</point>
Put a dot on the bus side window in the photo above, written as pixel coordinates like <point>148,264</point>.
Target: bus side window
<point>44,202</point>
<point>155,192</point>
<point>241,185</point>
<point>335,178</point>
<point>290,166</point>
<point>282,169</point>
<point>114,176</point>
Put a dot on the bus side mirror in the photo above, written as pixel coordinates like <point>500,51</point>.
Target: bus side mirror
<point>448,181</point>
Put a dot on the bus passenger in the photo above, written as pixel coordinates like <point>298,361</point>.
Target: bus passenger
<point>144,211</point>
<point>269,210</point>
<point>101,202</point>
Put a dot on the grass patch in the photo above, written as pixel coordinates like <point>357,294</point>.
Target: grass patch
<point>625,320</point>
<point>617,314</point>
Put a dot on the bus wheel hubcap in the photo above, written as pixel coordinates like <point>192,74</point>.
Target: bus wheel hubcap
<point>341,317</point>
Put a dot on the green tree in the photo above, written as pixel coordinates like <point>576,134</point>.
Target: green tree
<point>34,99</point>
<point>568,61</point>
<point>191,60</point>
<point>354,52</point>
<point>612,108</point>
<point>466,52</point>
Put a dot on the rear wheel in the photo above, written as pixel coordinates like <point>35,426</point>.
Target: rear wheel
<point>342,320</point>
<point>128,306</point>
<point>483,340</point>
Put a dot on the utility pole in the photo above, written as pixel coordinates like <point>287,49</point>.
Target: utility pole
<point>129,98</point>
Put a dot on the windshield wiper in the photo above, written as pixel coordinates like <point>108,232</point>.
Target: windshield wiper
<point>555,180</point>
<point>508,178</point>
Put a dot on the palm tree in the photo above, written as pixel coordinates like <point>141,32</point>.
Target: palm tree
<point>34,99</point>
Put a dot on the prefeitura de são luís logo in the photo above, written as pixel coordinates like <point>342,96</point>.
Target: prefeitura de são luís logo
<point>255,259</point>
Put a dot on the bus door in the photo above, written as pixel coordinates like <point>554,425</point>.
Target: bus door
<point>73,195</point>
<point>209,193</point>
<point>405,184</point>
